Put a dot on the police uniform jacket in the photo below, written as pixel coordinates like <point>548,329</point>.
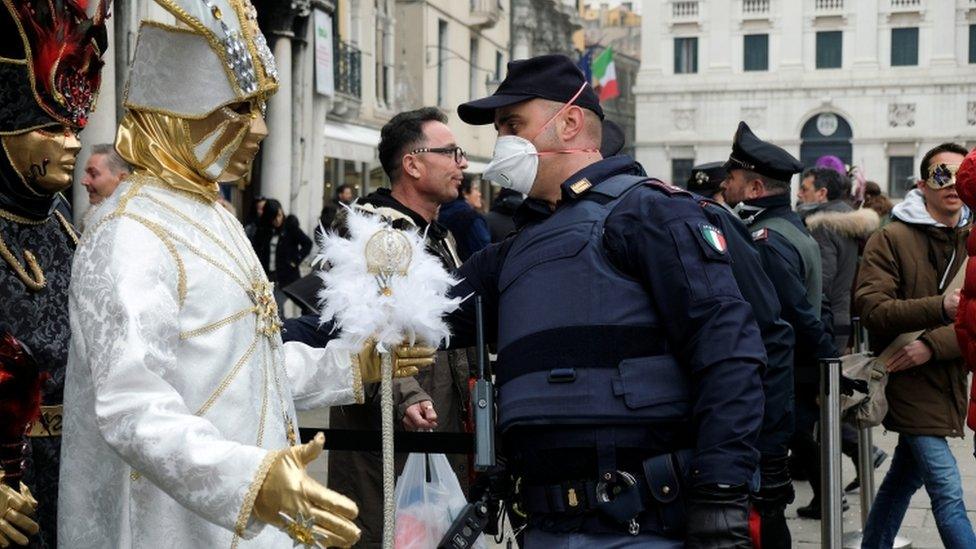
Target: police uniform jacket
<point>777,334</point>
<point>785,268</point>
<point>613,313</point>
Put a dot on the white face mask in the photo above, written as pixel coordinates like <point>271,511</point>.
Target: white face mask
<point>514,164</point>
<point>515,161</point>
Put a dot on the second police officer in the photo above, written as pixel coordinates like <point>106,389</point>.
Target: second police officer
<point>758,184</point>
<point>776,488</point>
<point>630,399</point>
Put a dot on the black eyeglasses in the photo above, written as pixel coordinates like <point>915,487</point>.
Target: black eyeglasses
<point>456,151</point>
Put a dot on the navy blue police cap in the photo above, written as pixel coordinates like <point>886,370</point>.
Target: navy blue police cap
<point>612,140</point>
<point>753,154</point>
<point>552,77</point>
<point>706,179</point>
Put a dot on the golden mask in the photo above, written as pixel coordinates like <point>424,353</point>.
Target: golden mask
<point>44,158</point>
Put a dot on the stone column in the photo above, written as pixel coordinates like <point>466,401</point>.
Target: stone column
<point>276,165</point>
<point>276,160</point>
<point>101,126</point>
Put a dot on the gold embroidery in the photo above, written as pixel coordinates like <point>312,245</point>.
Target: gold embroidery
<point>252,493</point>
<point>200,228</point>
<point>357,379</point>
<point>135,475</point>
<point>265,389</point>
<point>34,280</point>
<point>10,216</point>
<point>266,309</point>
<point>165,239</point>
<point>214,326</point>
<point>224,383</point>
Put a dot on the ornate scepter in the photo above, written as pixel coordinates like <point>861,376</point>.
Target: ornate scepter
<point>382,284</point>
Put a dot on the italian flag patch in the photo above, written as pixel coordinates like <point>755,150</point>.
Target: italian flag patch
<point>713,237</point>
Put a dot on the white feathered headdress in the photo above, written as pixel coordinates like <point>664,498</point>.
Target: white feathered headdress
<point>414,304</point>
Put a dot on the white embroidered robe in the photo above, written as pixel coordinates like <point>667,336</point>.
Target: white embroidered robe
<point>178,386</point>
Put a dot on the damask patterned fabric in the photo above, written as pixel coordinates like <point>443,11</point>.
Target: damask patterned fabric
<point>40,320</point>
<point>177,387</point>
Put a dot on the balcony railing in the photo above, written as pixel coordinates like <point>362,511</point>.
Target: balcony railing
<point>348,70</point>
<point>906,5</point>
<point>829,6</point>
<point>755,8</point>
<point>485,13</point>
<point>686,10</point>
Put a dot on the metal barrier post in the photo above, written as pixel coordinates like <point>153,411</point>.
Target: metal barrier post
<point>865,461</point>
<point>831,494</point>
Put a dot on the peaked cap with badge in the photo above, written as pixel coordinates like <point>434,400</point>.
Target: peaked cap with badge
<point>753,154</point>
<point>706,179</point>
<point>553,77</point>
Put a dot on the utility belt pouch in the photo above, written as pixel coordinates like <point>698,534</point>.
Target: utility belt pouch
<point>665,482</point>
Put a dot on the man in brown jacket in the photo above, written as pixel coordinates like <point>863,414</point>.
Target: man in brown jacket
<point>904,274</point>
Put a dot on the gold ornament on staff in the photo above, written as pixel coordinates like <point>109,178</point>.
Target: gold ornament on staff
<point>388,255</point>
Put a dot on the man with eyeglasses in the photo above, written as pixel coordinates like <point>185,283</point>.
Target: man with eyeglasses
<point>420,155</point>
<point>908,288</point>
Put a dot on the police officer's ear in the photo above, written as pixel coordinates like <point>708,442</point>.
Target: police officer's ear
<point>573,123</point>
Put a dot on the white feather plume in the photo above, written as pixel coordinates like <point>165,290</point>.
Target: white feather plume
<point>415,309</point>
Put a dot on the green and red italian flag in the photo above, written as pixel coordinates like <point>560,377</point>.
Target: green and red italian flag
<point>605,73</point>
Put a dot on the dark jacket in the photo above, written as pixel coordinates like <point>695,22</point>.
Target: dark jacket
<point>655,236</point>
<point>500,218</point>
<point>468,226</point>
<point>777,334</point>
<point>785,268</point>
<point>840,231</point>
<point>899,290</point>
<point>293,247</point>
<point>358,475</point>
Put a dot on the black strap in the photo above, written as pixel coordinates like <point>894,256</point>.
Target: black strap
<point>405,442</point>
<point>576,347</point>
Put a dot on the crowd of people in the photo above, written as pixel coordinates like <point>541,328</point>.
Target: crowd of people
<point>657,345</point>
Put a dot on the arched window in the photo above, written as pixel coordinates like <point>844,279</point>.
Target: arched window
<point>825,134</point>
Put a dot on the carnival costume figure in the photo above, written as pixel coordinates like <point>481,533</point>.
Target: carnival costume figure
<point>50,66</point>
<point>181,399</point>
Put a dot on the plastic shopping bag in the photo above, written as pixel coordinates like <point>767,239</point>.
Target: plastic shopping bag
<point>428,499</point>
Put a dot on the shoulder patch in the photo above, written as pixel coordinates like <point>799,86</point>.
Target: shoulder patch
<point>760,234</point>
<point>713,237</point>
<point>666,187</point>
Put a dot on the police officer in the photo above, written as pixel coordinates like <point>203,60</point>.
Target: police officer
<point>630,399</point>
<point>776,487</point>
<point>758,184</point>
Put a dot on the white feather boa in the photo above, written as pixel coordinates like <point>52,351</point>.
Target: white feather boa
<point>413,312</point>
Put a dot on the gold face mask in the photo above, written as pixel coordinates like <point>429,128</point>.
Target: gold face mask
<point>43,158</point>
<point>226,142</point>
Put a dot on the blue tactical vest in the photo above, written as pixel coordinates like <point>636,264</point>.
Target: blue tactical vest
<point>581,343</point>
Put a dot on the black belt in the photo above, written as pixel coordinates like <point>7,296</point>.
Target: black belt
<point>652,500</point>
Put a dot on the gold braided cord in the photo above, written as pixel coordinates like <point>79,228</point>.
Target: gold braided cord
<point>164,237</point>
<point>214,326</point>
<point>252,492</point>
<point>200,228</point>
<point>265,390</point>
<point>34,280</point>
<point>31,275</point>
<point>10,216</point>
<point>224,383</point>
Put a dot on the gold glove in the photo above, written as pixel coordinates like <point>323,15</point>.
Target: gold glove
<point>407,361</point>
<point>309,512</point>
<point>16,510</point>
